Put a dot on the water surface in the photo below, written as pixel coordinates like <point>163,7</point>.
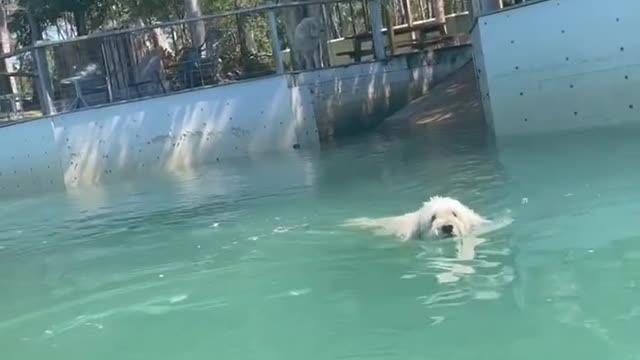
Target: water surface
<point>246,260</point>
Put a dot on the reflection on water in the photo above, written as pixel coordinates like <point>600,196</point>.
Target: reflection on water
<point>247,260</point>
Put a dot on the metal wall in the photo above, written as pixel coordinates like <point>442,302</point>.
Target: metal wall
<point>350,99</point>
<point>29,160</point>
<point>481,74</point>
<point>559,65</point>
<point>178,132</point>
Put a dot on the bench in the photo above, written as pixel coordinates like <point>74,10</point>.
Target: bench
<point>423,29</point>
<point>422,44</point>
<point>415,44</point>
<point>356,55</point>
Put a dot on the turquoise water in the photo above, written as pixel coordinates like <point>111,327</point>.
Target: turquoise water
<point>248,261</point>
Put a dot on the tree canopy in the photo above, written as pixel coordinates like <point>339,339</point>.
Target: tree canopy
<point>90,15</point>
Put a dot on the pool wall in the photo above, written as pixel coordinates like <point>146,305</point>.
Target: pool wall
<point>554,66</point>
<point>177,132</point>
<point>347,100</point>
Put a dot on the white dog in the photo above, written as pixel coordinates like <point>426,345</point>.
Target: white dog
<point>440,217</point>
<point>306,40</point>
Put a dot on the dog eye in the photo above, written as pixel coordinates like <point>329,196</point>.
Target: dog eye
<point>433,218</point>
<point>454,214</point>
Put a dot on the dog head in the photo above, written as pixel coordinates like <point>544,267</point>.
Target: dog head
<point>444,217</point>
<point>313,27</point>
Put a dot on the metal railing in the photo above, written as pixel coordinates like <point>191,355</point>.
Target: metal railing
<point>485,7</point>
<point>134,62</point>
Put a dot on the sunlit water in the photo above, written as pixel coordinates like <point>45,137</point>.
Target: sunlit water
<point>248,260</point>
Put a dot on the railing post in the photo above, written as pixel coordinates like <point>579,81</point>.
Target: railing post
<point>42,70</point>
<point>43,81</point>
<point>275,42</point>
<point>481,7</point>
<point>493,5</point>
<point>375,11</point>
<point>438,9</point>
<point>439,13</point>
<point>406,4</point>
<point>475,9</point>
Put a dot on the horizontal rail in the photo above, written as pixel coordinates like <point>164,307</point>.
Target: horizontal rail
<point>511,7</point>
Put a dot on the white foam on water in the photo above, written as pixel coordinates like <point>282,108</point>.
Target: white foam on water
<point>446,278</point>
<point>487,295</point>
<point>494,225</point>
<point>178,298</point>
<point>285,229</point>
<point>298,292</point>
<point>436,320</point>
<point>292,292</point>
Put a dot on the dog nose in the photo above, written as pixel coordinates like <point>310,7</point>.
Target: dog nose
<point>447,229</point>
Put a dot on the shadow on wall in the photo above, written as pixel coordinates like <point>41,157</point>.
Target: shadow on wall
<point>352,99</point>
<point>454,100</point>
<point>175,133</point>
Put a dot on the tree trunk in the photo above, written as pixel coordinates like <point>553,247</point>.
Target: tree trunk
<point>192,10</point>
<point>7,84</point>
<point>42,83</point>
<point>438,10</point>
<point>80,19</point>
<point>245,38</point>
<point>352,16</point>
<point>408,14</point>
<point>334,20</point>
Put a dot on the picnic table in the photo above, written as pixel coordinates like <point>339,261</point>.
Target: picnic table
<point>15,101</point>
<point>79,101</point>
<point>94,82</point>
<point>424,29</point>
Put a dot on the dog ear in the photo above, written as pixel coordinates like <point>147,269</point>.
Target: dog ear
<point>476,218</point>
<point>314,29</point>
